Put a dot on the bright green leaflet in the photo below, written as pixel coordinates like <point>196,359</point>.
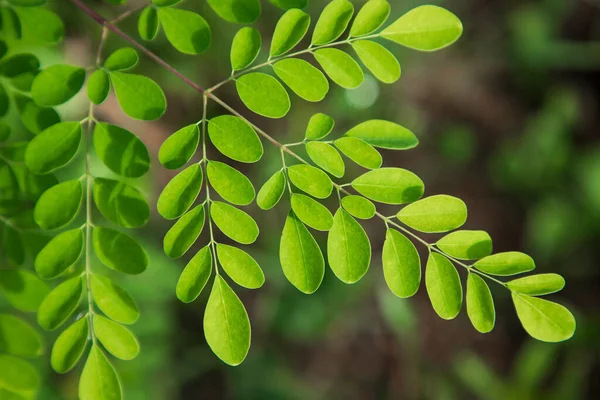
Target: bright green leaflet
<point>165,3</point>
<point>60,303</point>
<point>184,233</point>
<point>53,148</point>
<point>384,134</point>
<point>537,285</point>
<point>434,214</point>
<point>378,60</point>
<point>57,84</point>
<point>139,97</point>
<point>122,59</point>
<point>119,251</point>
<point>113,301</point>
<point>466,245</point>
<point>370,17</point>
<point>270,193</point>
<point>289,31</point>
<point>319,126</point>
<point>359,207</point>
<point>311,212</point>
<point>240,266</point>
<point>230,183</point>
<point>311,180</point>
<point>98,86</point>
<point>17,376</point>
<point>116,339</point>
<point>195,276</point>
<point>300,256</point>
<point>360,152</point>
<point>303,78</point>
<point>121,203</point>
<point>187,31</point>
<point>69,346</point>
<point>120,150</point>
<point>58,205</point>
<point>287,4</point>
<point>148,23</point>
<point>425,28</point>
<point>244,48</point>
<point>59,254</point>
<point>226,324</point>
<point>22,289</point>
<point>480,304</point>
<point>443,286</point>
<point>506,264</point>
<point>238,11</point>
<point>341,68</point>
<point>179,148</point>
<point>234,223</point>
<point>401,264</point>
<point>326,157</point>
<point>332,22</point>
<point>543,319</point>
<point>348,248</point>
<point>35,118</point>
<point>233,137</point>
<point>19,338</point>
<point>263,94</point>
<point>41,25</point>
<point>390,186</point>
<point>180,193</point>
<point>99,380</point>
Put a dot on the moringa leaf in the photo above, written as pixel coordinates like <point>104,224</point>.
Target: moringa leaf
<point>537,285</point>
<point>384,134</point>
<point>311,180</point>
<point>370,17</point>
<point>98,86</point>
<point>341,68</point>
<point>326,157</point>
<point>187,31</point>
<point>229,183</point>
<point>22,289</point>
<point>121,203</point>
<point>466,244</point>
<point>120,150</point>
<point>434,214</point>
<point>53,148</point>
<point>165,3</point>
<point>40,25</point>
<point>17,64</point>
<point>60,303</point>
<point>237,11</point>
<point>360,152</point>
<point>359,207</point>
<point>59,205</point>
<point>122,59</point>
<point>263,94</point>
<point>194,276</point>
<point>311,212</point>
<point>139,97</point>
<point>319,126</point>
<point>288,4</point>
<point>389,186</point>
<point>35,118</point>
<point>332,22</point>
<point>13,245</point>
<point>179,148</point>
<point>348,248</point>
<point>289,31</point>
<point>480,304</point>
<point>119,251</point>
<point>69,346</point>
<point>304,79</point>
<point>11,24</point>
<point>506,264</point>
<point>233,137</point>
<point>18,378</point>
<point>57,84</point>
<point>378,60</point>
<point>184,233</point>
<point>59,254</point>
<point>99,380</point>
<point>443,286</point>
<point>240,266</point>
<point>271,192</point>
<point>148,23</point>
<point>244,48</point>
<point>19,338</point>
<point>234,223</point>
<point>116,339</point>
<point>180,193</point>
<point>543,319</point>
<point>113,300</point>
<point>401,264</point>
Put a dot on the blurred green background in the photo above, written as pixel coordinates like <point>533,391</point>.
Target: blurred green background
<point>508,120</point>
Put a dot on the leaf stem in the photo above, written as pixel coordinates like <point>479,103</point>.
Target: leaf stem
<point>208,200</point>
<point>88,220</point>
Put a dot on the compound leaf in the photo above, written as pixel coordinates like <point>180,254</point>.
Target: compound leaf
<point>22,289</point>
<point>180,193</point>
<point>234,223</point>
<point>230,183</point>
<point>304,79</point>
<point>237,11</point>
<point>148,23</point>
<point>113,300</point>
<point>311,212</point>
<point>121,203</point>
<point>319,126</point>
<point>53,148</point>
<point>401,264</point>
<point>194,276</point>
<point>139,97</point>
<point>466,244</point>
<point>57,84</point>
<point>390,186</point>
<point>370,17</point>
<point>240,266</point>
<point>332,22</point>
<point>59,254</point>
<point>116,339</point>
<point>179,148</point>
<point>121,151</point>
<point>19,338</point>
<point>98,86</point>
<point>244,48</point>
<point>184,233</point>
<point>480,304</point>
<point>341,68</point>
<point>434,214</point>
<point>311,180</point>
<point>359,207</point>
<point>187,31</point>
<point>119,251</point>
<point>378,60</point>
<point>270,193</point>
<point>384,134</point>
<point>360,152</point>
<point>58,205</point>
<point>60,303</point>
<point>326,157</point>
<point>289,31</point>
<point>99,380</point>
<point>443,286</point>
<point>122,59</point>
<point>537,285</point>
<point>69,346</point>
<point>544,320</point>
<point>233,137</point>
<point>506,264</point>
<point>263,94</point>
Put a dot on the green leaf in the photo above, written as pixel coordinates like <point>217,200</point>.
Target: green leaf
<point>384,134</point>
<point>543,319</point>
<point>17,64</point>
<point>434,214</point>
<point>226,324</point>
<point>53,148</point>
<point>288,4</point>
<point>11,26</point>
<point>230,183</point>
<point>184,233</point>
<point>180,193</point>
<point>466,244</point>
<point>326,157</point>
<point>237,11</point>
<point>122,59</point>
<point>57,84</point>
<point>244,48</point>
<point>18,377</point>
<point>271,192</point>
<point>118,251</point>
<point>378,60</point>
<point>234,223</point>
<point>506,264</point>
<point>139,97</point>
<point>22,289</point>
<point>121,203</point>
<point>370,17</point>
<point>311,180</point>
<point>35,118</point>
<point>233,137</point>
<point>289,31</point>
<point>319,126</point>
<point>304,79</point>
<point>113,301</point>
<point>194,276</point>
<point>179,148</point>
<point>59,254</point>
<point>69,346</point>
<point>359,207</point>
<point>120,150</point>
<point>4,104</point>
<point>148,23</point>
<point>60,303</point>
<point>27,3</point>
<point>98,86</point>
<point>348,248</point>
<point>13,245</point>
<point>14,151</point>
<point>443,286</point>
<point>425,28</point>
<point>341,68</point>
<point>165,3</point>
<point>360,152</point>
<point>401,264</point>
<point>240,266</point>
<point>480,304</point>
<point>187,31</point>
<point>116,339</point>
<point>332,22</point>
<point>19,338</point>
<point>263,94</point>
<point>537,285</point>
<point>311,212</point>
<point>41,25</point>
<point>59,205</point>
<point>390,186</point>
<point>99,380</point>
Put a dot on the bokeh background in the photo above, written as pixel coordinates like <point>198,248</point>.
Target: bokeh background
<point>508,120</point>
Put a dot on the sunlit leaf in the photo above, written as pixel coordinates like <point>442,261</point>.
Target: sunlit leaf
<point>122,59</point>
<point>480,304</point>
<point>179,148</point>
<point>359,207</point>
<point>53,148</point>
<point>360,152</point>
<point>319,126</point>
<point>340,67</point>
<point>60,303</point>
<point>69,346</point>
<point>116,339</point>
<point>113,300</point>
<point>184,233</point>
<point>121,203</point>
<point>543,319</point>
<point>139,97</point>
<point>311,180</point>
<point>401,264</point>
<point>194,276</point>
<point>537,285</point>
<point>19,338</point>
<point>59,205</point>
<point>466,244</point>
<point>443,286</point>
<point>238,11</point>
<point>370,17</point>
<point>234,223</point>
<point>98,86</point>
<point>303,78</point>
<point>384,134</point>
<point>148,23</point>
<point>289,31</point>
<point>40,25</point>
<point>434,214</point>
<point>263,94</point>
<point>180,193</point>
<point>57,84</point>
<point>187,31</point>
<point>326,157</point>
<point>311,212</point>
<point>233,137</point>
<point>271,192</point>
<point>59,254</point>
<point>332,22</point>
<point>244,48</point>
<point>506,264</point>
<point>390,186</point>
<point>22,289</point>
<point>240,266</point>
<point>382,64</point>
<point>119,251</point>
<point>120,150</point>
<point>99,380</point>
<point>230,183</point>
